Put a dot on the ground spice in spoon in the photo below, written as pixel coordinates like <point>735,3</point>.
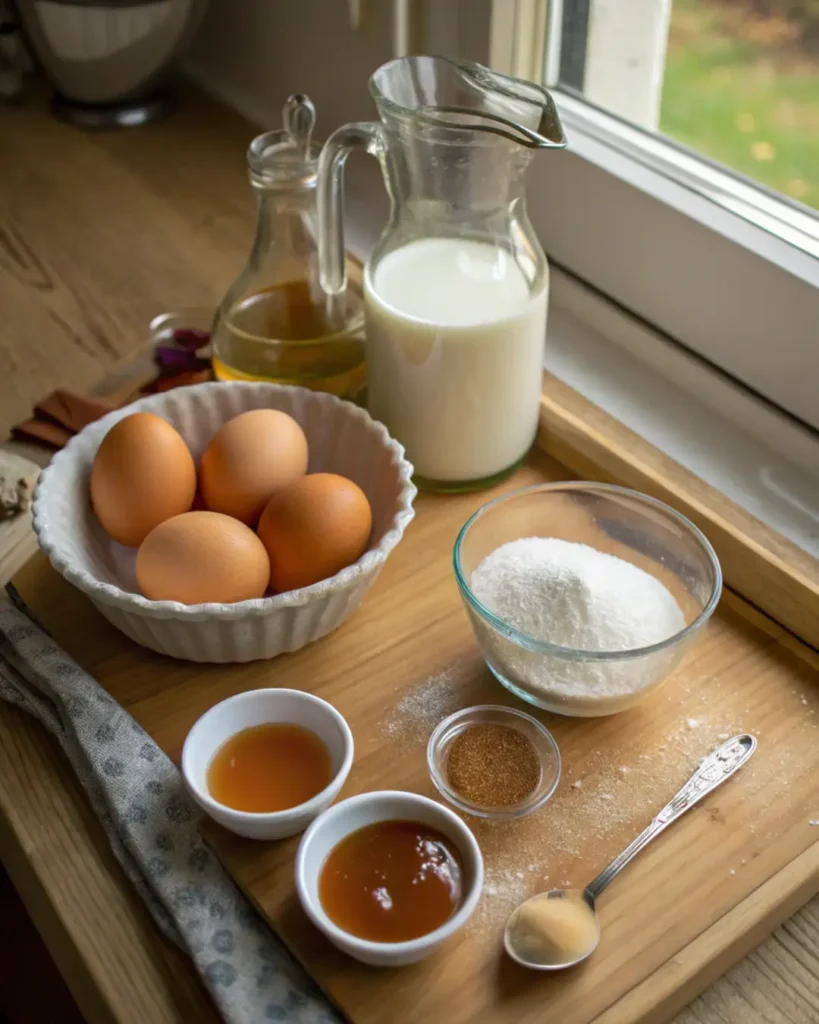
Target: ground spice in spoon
<point>492,765</point>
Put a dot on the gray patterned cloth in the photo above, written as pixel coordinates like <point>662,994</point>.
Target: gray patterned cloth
<point>139,797</point>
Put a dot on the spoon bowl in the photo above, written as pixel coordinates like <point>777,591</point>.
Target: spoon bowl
<point>580,926</point>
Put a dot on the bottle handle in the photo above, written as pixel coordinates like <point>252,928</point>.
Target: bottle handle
<point>366,135</point>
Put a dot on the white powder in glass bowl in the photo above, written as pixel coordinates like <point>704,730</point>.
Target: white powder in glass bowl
<point>574,596</point>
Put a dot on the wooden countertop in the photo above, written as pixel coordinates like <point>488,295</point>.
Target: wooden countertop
<point>98,234</point>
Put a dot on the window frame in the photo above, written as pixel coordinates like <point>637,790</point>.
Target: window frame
<point>724,268</point>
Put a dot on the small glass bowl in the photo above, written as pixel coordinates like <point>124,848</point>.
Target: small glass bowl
<point>617,521</point>
<point>494,714</point>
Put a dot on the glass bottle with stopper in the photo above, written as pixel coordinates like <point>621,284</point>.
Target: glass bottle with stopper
<point>276,323</point>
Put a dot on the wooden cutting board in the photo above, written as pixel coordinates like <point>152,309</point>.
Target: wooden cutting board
<point>698,899</point>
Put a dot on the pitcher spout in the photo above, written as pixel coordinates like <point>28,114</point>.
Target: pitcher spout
<point>465,97</point>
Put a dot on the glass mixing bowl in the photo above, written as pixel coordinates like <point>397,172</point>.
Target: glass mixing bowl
<point>619,522</point>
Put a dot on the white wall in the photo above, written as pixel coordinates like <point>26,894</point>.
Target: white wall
<point>254,53</point>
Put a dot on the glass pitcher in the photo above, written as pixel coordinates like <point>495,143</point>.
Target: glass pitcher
<point>275,322</point>
<point>455,290</point>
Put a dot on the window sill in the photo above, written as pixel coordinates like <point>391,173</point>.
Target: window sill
<point>758,458</point>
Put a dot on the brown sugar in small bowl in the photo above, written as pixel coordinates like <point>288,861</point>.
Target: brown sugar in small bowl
<point>489,775</point>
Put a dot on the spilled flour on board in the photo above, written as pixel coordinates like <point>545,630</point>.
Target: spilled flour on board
<point>421,708</point>
<point>612,787</point>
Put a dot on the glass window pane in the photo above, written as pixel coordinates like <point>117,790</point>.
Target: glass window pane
<point>736,80</point>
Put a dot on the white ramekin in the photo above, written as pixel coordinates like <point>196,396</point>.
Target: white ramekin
<point>367,809</point>
<point>343,439</point>
<point>259,707</point>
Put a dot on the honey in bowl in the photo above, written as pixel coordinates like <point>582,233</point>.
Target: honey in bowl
<point>270,767</point>
<point>392,881</point>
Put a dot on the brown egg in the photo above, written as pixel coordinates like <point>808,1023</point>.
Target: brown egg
<point>250,458</point>
<point>142,475</point>
<point>313,529</point>
<point>200,557</point>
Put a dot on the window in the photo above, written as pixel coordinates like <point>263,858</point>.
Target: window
<point>737,82</point>
<point>689,193</point>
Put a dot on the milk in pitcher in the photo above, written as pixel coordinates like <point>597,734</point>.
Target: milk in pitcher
<point>455,338</point>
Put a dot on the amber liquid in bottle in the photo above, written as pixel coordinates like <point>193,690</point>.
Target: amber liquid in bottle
<point>275,322</point>
<point>280,334</point>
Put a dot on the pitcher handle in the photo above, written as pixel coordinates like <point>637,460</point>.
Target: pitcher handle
<point>366,135</point>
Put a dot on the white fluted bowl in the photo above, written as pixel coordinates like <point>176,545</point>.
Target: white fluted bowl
<point>342,439</point>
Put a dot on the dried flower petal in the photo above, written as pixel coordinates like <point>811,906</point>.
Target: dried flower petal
<point>177,359</point>
<point>191,337</point>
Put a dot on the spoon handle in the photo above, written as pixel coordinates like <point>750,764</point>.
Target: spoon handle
<point>713,771</point>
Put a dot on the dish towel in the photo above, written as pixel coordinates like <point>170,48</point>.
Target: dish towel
<point>139,797</point>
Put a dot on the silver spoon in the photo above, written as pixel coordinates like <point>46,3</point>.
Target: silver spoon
<point>713,771</point>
